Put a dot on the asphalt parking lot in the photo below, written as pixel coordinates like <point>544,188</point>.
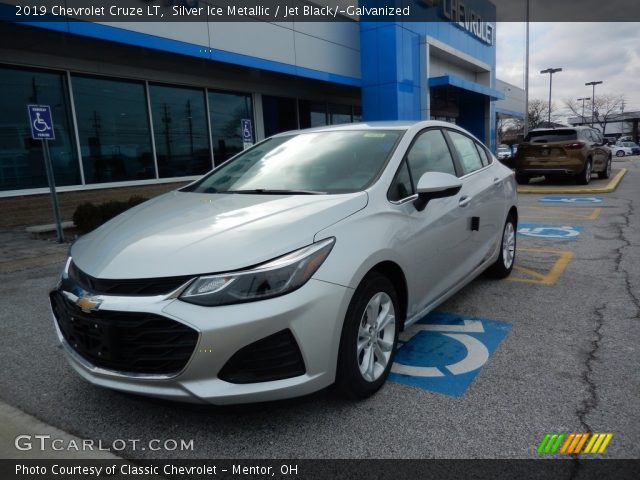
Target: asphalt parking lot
<point>566,361</point>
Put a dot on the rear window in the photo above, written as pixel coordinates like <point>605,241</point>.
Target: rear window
<point>548,136</point>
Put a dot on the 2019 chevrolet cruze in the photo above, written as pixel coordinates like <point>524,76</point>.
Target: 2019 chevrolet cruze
<point>288,268</point>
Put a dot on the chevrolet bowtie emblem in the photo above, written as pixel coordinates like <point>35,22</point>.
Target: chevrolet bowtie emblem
<point>88,304</point>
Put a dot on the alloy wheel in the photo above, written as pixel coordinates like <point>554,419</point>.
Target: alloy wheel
<point>508,245</point>
<point>375,336</point>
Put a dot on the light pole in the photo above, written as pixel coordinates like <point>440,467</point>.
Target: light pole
<point>526,72</point>
<point>593,98</point>
<point>550,71</point>
<point>583,99</point>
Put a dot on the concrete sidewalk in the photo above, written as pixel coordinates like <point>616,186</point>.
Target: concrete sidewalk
<point>16,423</point>
<point>20,251</point>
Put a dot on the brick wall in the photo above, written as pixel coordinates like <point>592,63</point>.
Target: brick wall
<point>36,209</point>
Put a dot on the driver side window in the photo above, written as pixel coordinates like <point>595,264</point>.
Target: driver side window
<point>430,153</point>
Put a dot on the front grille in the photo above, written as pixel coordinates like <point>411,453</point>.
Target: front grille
<point>137,286</point>
<point>125,341</point>
<point>273,358</point>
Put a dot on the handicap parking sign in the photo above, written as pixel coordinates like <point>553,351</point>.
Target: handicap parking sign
<point>41,122</point>
<point>445,352</point>
<point>554,232</point>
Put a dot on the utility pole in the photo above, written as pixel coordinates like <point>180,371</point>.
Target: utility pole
<point>526,73</point>
<point>583,99</point>
<point>593,98</point>
<point>550,71</point>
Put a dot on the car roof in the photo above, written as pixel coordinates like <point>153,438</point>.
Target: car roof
<point>401,125</point>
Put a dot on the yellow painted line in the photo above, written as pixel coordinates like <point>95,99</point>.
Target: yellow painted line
<point>560,213</point>
<point>596,446</point>
<point>540,278</point>
<point>530,272</point>
<point>607,439</point>
<point>610,187</point>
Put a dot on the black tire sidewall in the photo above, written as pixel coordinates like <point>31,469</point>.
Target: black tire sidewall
<point>348,376</point>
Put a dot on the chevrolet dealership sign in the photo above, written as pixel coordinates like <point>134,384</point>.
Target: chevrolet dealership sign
<point>468,19</point>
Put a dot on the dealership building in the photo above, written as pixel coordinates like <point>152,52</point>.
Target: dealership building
<point>141,107</point>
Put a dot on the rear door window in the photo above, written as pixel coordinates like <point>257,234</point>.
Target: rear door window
<point>430,153</point>
<point>467,152</point>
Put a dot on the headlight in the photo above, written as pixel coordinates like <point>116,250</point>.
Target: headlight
<point>276,277</point>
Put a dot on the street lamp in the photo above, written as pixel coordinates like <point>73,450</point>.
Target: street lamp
<point>593,98</point>
<point>583,99</point>
<point>550,71</point>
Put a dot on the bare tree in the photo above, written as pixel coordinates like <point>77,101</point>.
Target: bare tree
<point>606,107</point>
<point>539,113</point>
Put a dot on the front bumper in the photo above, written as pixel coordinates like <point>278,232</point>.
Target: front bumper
<point>313,314</point>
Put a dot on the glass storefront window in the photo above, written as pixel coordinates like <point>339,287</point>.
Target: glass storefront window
<point>226,110</point>
<point>21,158</point>
<point>312,114</point>
<point>113,125</point>
<point>180,130</point>
<point>339,114</point>
<point>279,114</point>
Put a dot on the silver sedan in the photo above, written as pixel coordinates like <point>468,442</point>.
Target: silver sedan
<point>288,268</point>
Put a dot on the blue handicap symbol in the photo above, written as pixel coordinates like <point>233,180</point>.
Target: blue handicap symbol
<point>571,200</point>
<point>444,352</point>
<point>553,232</point>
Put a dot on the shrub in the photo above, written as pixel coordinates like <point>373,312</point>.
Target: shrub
<point>88,216</point>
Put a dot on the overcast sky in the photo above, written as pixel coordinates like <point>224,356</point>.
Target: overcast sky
<point>585,51</point>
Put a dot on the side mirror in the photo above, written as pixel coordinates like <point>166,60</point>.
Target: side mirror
<point>436,185</point>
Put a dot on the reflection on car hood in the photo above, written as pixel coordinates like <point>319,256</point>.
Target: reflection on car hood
<point>184,233</point>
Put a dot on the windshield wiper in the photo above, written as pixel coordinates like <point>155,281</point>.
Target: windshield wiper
<point>266,191</point>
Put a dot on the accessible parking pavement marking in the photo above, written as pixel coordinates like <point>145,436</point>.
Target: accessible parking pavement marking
<point>560,213</point>
<point>552,232</point>
<point>531,274</point>
<point>444,352</point>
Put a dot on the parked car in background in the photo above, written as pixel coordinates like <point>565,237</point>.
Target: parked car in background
<point>291,266</point>
<point>574,151</point>
<point>503,152</point>
<point>625,148</point>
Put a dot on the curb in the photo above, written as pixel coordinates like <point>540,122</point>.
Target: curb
<point>15,422</point>
<point>610,187</point>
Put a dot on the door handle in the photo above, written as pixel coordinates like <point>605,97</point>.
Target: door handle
<point>496,180</point>
<point>464,201</point>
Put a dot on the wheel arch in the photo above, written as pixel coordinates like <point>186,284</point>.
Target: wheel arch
<point>395,274</point>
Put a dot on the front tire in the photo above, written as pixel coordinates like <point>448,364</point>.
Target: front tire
<point>620,153</point>
<point>502,267</point>
<point>369,338</point>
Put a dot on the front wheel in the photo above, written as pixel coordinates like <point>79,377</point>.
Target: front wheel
<point>369,338</point>
<point>502,267</point>
<point>620,153</point>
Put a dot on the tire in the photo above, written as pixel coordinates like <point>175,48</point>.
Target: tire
<point>620,153</point>
<point>356,377</point>
<point>585,175</point>
<point>522,179</point>
<point>502,267</point>
<point>606,173</point>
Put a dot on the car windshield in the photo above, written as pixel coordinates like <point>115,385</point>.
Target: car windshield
<point>305,163</point>
<point>548,136</point>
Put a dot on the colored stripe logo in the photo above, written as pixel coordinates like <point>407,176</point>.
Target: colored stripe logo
<point>574,443</point>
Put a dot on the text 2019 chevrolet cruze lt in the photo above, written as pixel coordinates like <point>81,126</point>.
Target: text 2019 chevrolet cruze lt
<point>288,268</point>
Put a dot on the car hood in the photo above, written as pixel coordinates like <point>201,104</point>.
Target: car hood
<point>182,233</point>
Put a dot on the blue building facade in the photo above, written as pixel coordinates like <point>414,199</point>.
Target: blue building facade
<point>180,90</point>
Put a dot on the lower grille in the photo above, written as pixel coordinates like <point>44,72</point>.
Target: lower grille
<point>273,358</point>
<point>141,343</point>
